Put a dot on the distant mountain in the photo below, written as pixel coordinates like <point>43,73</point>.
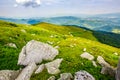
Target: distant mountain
<point>102,22</point>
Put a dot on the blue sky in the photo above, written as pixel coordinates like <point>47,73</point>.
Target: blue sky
<point>45,8</point>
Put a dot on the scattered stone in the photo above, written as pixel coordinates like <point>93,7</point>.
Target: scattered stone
<point>53,67</point>
<point>116,53</point>
<point>12,45</point>
<point>118,71</point>
<point>83,75</point>
<point>51,78</point>
<point>94,63</point>
<point>24,31</point>
<point>35,51</point>
<point>101,61</point>
<point>84,49</point>
<point>51,36</point>
<point>27,72</point>
<point>8,74</point>
<point>106,68</point>
<point>40,68</point>
<point>88,56</point>
<point>66,76</point>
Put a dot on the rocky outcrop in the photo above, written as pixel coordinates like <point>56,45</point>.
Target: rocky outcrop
<point>88,56</point>
<point>35,51</point>
<point>83,75</point>
<point>51,78</point>
<point>66,76</point>
<point>53,67</point>
<point>8,74</point>
<point>106,68</point>
<point>40,68</point>
<point>27,72</point>
<point>117,76</point>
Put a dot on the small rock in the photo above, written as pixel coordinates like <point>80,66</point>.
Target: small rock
<point>94,63</point>
<point>40,68</point>
<point>51,78</point>
<point>53,67</point>
<point>83,75</point>
<point>27,72</point>
<point>88,56</point>
<point>51,36</point>
<point>84,49</point>
<point>8,74</point>
<point>24,31</point>
<point>12,45</point>
<point>35,51</point>
<point>66,76</point>
<point>116,53</point>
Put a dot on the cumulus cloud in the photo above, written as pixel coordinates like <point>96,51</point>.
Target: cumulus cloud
<point>36,3</point>
<point>27,3</point>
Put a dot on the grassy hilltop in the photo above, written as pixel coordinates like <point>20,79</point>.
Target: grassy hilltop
<point>71,41</point>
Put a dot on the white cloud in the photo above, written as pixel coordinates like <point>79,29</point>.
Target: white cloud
<point>27,3</point>
<point>36,3</point>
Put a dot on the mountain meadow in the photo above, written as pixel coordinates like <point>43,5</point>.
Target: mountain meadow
<point>70,41</point>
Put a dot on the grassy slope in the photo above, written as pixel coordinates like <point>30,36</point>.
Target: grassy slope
<point>71,46</point>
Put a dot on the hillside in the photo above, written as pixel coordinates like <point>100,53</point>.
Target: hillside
<point>101,22</point>
<point>71,41</point>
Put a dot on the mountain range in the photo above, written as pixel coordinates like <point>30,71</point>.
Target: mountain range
<point>102,22</point>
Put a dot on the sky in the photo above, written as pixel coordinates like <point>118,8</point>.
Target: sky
<point>47,8</point>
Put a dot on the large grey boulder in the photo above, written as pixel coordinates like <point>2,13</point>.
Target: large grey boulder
<point>87,55</point>
<point>83,75</point>
<point>66,76</point>
<point>118,71</point>
<point>53,67</point>
<point>27,72</point>
<point>40,68</point>
<point>106,67</point>
<point>8,74</point>
<point>35,51</point>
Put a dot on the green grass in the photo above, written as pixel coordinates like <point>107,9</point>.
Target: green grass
<point>71,41</point>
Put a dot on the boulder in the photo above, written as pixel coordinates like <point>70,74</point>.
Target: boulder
<point>53,67</point>
<point>118,71</point>
<point>8,74</point>
<point>51,78</point>
<point>40,68</point>
<point>106,67</point>
<point>83,75</point>
<point>27,72</point>
<point>88,56</point>
<point>66,76</point>
<point>35,51</point>
<point>101,61</point>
